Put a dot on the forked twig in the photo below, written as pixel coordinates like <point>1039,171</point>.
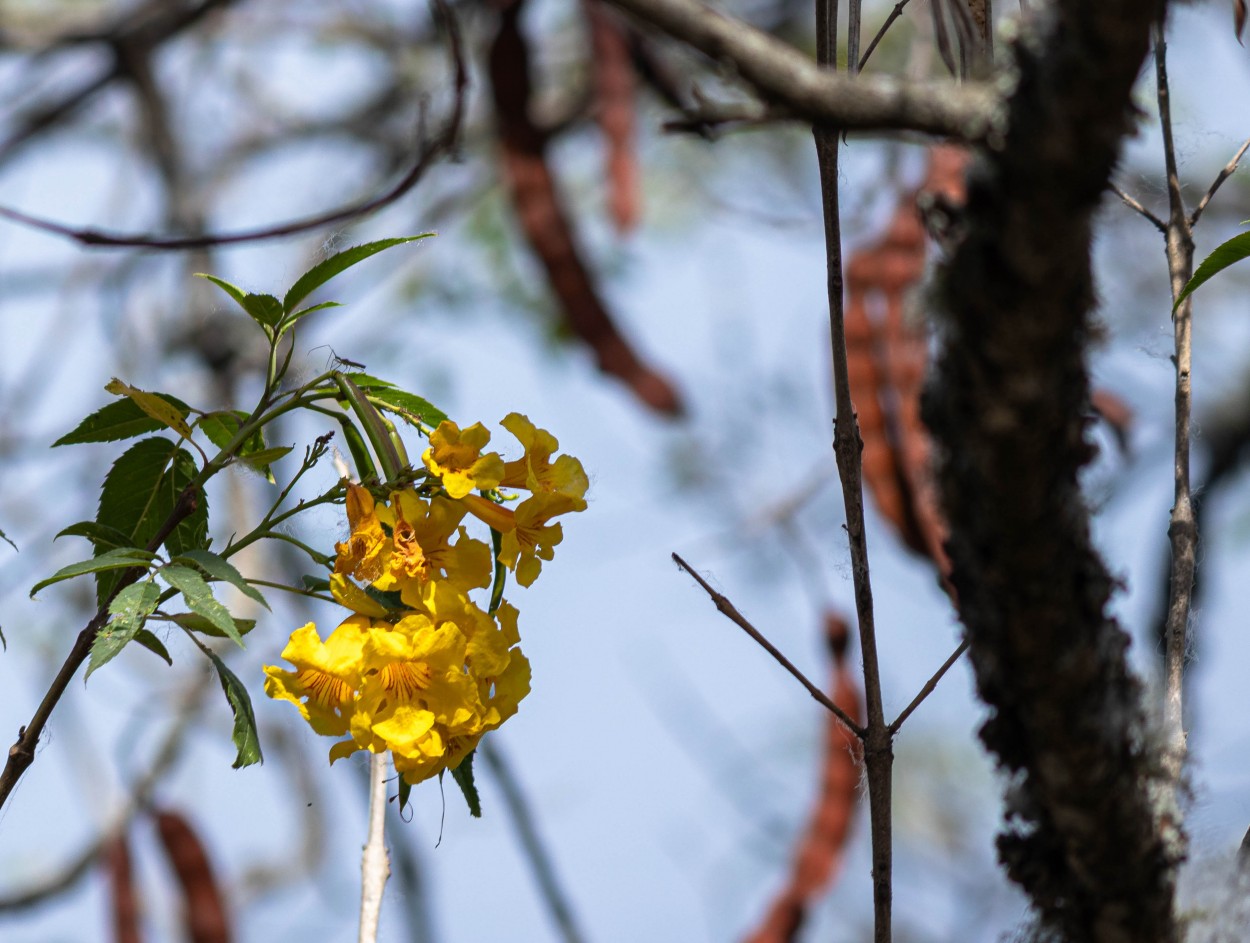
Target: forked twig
<point>1229,169</point>
<point>928,687</point>
<point>727,609</point>
<point>889,21</point>
<point>1137,207</point>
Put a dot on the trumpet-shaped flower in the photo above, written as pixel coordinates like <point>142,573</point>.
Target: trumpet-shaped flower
<point>364,553</point>
<point>534,470</point>
<point>327,675</point>
<point>456,457</point>
<point>422,550</point>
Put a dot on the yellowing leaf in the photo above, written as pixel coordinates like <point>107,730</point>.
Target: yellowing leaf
<point>156,407</point>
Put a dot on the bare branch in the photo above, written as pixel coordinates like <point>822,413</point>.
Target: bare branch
<point>444,143</point>
<point>1229,169</point>
<point>929,686</point>
<point>1007,407</point>
<point>1137,207</point>
<point>787,77</point>
<point>1183,527</point>
<point>727,609</point>
<point>375,864</point>
<point>885,28</point>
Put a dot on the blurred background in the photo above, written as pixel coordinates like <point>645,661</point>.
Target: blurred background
<point>656,298</point>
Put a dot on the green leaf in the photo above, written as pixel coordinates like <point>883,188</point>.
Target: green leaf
<point>130,609</point>
<point>101,535</point>
<point>265,310</point>
<point>315,584</point>
<point>325,270</point>
<point>463,775</point>
<point>141,491</point>
<point>407,406</point>
<point>1221,258</point>
<point>197,623</point>
<point>291,319</point>
<point>246,739</point>
<point>120,558</point>
<point>120,420</point>
<point>405,790</point>
<point>153,404</point>
<point>219,568</point>
<point>367,382</point>
<point>153,644</point>
<point>263,458</point>
<point>199,598</point>
<point>222,426</point>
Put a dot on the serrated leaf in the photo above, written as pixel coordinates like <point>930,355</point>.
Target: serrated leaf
<point>246,739</point>
<point>121,420</point>
<point>265,310</point>
<point>367,382</point>
<point>153,404</point>
<point>99,534</point>
<point>140,492</point>
<point>219,568</point>
<point>325,270</point>
<point>199,598</point>
<point>409,407</point>
<point>120,558</point>
<point>195,622</point>
<point>130,608</point>
<point>222,426</point>
<point>1229,253</point>
<point>154,645</point>
<point>463,775</point>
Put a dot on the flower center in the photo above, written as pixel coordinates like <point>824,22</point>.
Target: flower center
<point>405,679</point>
<point>326,690</point>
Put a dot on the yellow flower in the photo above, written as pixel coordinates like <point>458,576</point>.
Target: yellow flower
<point>364,553</point>
<point>326,677</point>
<point>535,471</point>
<point>455,456</point>
<point>528,538</point>
<point>421,547</point>
<point>415,690</point>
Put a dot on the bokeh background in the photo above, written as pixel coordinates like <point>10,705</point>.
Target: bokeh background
<point>667,764</point>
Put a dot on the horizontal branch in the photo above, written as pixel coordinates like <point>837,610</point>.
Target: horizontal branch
<point>787,77</point>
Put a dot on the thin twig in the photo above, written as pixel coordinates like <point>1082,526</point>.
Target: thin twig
<point>1229,169</point>
<point>375,864</point>
<point>553,894</point>
<point>1137,207</point>
<point>1183,529</point>
<point>444,143</point>
<point>727,609</point>
<point>929,686</point>
<point>848,448</point>
<point>885,27</point>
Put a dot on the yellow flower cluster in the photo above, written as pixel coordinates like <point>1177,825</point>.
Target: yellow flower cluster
<point>426,680</point>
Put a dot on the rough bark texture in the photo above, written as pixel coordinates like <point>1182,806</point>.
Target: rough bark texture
<point>1086,836</point>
